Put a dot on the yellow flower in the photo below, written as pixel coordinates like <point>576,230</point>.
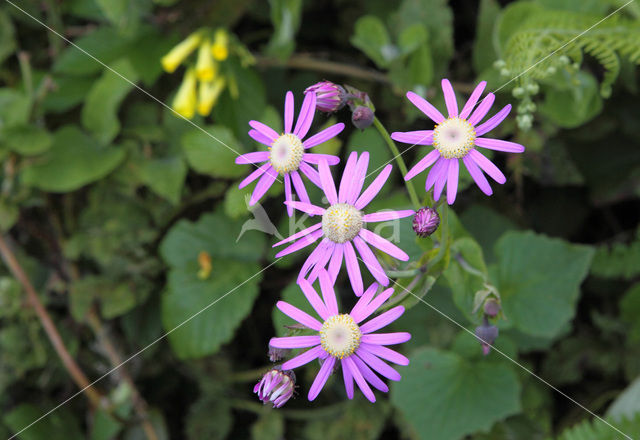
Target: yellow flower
<point>220,46</point>
<point>208,94</point>
<point>204,261</point>
<point>206,67</point>
<point>179,53</point>
<point>185,100</point>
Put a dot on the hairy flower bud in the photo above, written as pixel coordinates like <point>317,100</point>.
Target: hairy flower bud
<point>426,221</point>
<point>276,387</point>
<point>487,335</point>
<point>277,354</point>
<point>362,117</point>
<point>491,308</point>
<point>330,97</point>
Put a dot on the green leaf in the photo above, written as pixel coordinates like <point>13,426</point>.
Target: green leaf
<point>594,429</point>
<point>619,260</point>
<point>115,298</point>
<point>9,213</point>
<point>68,92</point>
<point>463,284</point>
<point>7,36</point>
<point>144,54</point>
<point>73,161</point>
<point>445,397</point>
<point>223,298</point>
<point>209,418</point>
<point>629,312</point>
<point>539,280</point>
<point>215,155</point>
<point>165,176</point>
<point>574,105</point>
<point>358,421</point>
<point>60,425</point>
<point>100,111</point>
<point>270,426</point>
<point>26,139</point>
<point>371,37</point>
<point>411,38</point>
<point>627,404</point>
<point>125,14</point>
<point>285,16</point>
<point>14,108</point>
<point>484,52</point>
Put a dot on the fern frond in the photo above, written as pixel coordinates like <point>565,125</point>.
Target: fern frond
<point>598,430</point>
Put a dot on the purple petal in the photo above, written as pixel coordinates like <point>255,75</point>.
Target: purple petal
<point>303,358</point>
<point>353,269</point>
<point>303,242</point>
<point>313,258</point>
<point>363,302</point>
<point>473,99</point>
<point>386,354</point>
<point>336,262</point>
<point>323,260</point>
<point>254,175</point>
<point>323,375</point>
<point>255,157</point>
<point>418,137</point>
<point>311,174</point>
<point>482,109</point>
<point>357,375</point>
<point>382,320</point>
<point>383,244</point>
<point>295,341</point>
<point>386,338</point>
<point>287,194</point>
<point>452,181</point>
<point>372,306</point>
<point>435,172</point>
<point>328,294</point>
<point>324,135</point>
<point>299,187</point>
<point>269,132</point>
<point>345,184</point>
<point>357,178</point>
<point>259,137</point>
<point>494,121</point>
<point>327,183</point>
<point>263,185</point>
<point>425,107</point>
<point>423,164</point>
<point>288,112</point>
<point>297,235</point>
<point>314,299</point>
<point>348,380</point>
<point>305,118</point>
<point>300,316</point>
<point>306,207</point>
<point>487,166</point>
<point>378,365</point>
<point>476,174</point>
<point>499,145</point>
<point>387,215</point>
<point>315,158</point>
<point>442,179</point>
<point>450,98</point>
<point>369,375</point>
<point>371,261</point>
<point>373,189</point>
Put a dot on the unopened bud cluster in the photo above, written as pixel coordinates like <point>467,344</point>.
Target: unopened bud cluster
<point>487,333</point>
<point>425,221</point>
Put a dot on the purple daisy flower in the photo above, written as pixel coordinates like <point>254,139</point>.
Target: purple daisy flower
<point>341,339</point>
<point>342,226</point>
<point>455,138</point>
<point>287,152</point>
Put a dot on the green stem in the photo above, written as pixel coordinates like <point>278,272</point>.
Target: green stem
<point>444,234</point>
<point>398,157</point>
<point>249,375</point>
<point>402,273</point>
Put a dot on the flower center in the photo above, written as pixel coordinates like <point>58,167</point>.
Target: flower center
<point>341,222</point>
<point>340,336</point>
<point>454,137</point>
<point>286,153</point>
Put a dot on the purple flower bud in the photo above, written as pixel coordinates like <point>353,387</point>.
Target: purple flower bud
<point>276,387</point>
<point>491,308</point>
<point>276,354</point>
<point>487,335</point>
<point>362,117</point>
<point>426,221</point>
<point>330,97</point>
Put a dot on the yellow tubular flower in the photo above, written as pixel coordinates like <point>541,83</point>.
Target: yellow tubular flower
<point>206,68</point>
<point>208,94</point>
<point>179,53</point>
<point>185,100</point>
<point>220,46</point>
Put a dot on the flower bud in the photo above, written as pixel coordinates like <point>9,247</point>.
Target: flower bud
<point>277,354</point>
<point>185,100</point>
<point>426,221</point>
<point>179,53</point>
<point>491,308</point>
<point>362,117</point>
<point>276,387</point>
<point>487,335</point>
<point>206,68</point>
<point>330,97</point>
<point>208,94</point>
<point>220,46</point>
